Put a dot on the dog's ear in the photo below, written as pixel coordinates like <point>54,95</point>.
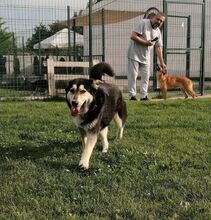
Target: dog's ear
<point>96,83</point>
<point>158,67</point>
<point>165,71</point>
<point>95,108</point>
<point>67,89</point>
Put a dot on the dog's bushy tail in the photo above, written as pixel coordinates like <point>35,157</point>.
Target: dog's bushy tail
<point>98,70</point>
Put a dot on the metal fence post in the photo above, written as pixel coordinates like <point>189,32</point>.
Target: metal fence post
<point>90,34</point>
<point>68,26</point>
<point>103,34</point>
<point>165,10</point>
<point>23,54</point>
<point>188,42</point>
<point>202,49</point>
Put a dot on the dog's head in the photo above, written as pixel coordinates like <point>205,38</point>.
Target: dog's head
<point>161,69</point>
<point>161,72</point>
<point>80,94</point>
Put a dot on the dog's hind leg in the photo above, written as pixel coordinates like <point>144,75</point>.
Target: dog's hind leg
<point>185,92</point>
<point>87,151</point>
<point>119,125</point>
<point>191,93</point>
<point>104,137</point>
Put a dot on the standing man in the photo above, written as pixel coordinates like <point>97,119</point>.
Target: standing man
<point>145,35</point>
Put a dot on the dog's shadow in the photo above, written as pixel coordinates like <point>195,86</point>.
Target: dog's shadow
<point>30,151</point>
<point>41,155</point>
<point>73,168</point>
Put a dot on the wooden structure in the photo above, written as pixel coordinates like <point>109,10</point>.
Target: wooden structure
<point>52,77</point>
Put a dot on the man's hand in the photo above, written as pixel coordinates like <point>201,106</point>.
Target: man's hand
<point>141,40</point>
<point>163,65</point>
<point>149,43</point>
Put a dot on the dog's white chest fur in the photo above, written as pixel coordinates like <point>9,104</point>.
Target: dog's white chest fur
<point>77,121</point>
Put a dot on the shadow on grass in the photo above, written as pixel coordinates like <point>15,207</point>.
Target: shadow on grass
<point>30,151</point>
<point>47,156</point>
<point>71,167</point>
<point>55,155</point>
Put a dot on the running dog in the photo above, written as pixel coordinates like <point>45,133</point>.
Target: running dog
<point>168,82</point>
<point>93,105</point>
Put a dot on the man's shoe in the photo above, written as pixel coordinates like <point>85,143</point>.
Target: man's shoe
<point>145,99</point>
<point>133,98</point>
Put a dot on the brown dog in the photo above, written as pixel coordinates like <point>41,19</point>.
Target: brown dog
<point>168,82</point>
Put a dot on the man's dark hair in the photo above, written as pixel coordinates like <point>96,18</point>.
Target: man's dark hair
<point>161,14</point>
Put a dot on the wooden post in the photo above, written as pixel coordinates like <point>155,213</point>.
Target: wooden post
<point>50,77</point>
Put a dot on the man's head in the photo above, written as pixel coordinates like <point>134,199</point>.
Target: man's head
<point>157,20</point>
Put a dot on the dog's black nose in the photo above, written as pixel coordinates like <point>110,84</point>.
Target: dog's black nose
<point>74,103</point>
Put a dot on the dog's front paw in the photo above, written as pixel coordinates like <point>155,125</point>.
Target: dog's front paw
<point>105,150</point>
<point>83,165</point>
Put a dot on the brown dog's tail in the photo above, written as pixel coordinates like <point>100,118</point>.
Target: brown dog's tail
<point>98,70</point>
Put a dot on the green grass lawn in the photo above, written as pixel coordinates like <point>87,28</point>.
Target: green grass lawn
<point>160,170</point>
<point>12,93</point>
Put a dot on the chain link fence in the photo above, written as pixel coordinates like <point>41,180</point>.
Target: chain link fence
<point>34,31</point>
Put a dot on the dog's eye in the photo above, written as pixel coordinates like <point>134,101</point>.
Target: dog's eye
<point>82,91</point>
<point>72,90</point>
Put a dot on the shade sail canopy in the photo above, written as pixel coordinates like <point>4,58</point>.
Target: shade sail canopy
<point>110,17</point>
<point>60,40</point>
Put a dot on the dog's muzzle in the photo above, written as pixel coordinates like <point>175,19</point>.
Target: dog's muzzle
<point>75,109</point>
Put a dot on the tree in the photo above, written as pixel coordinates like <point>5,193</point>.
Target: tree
<point>5,38</point>
<point>40,33</point>
<point>55,27</point>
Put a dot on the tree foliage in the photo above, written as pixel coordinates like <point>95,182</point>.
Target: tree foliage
<point>5,38</point>
<point>42,32</point>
